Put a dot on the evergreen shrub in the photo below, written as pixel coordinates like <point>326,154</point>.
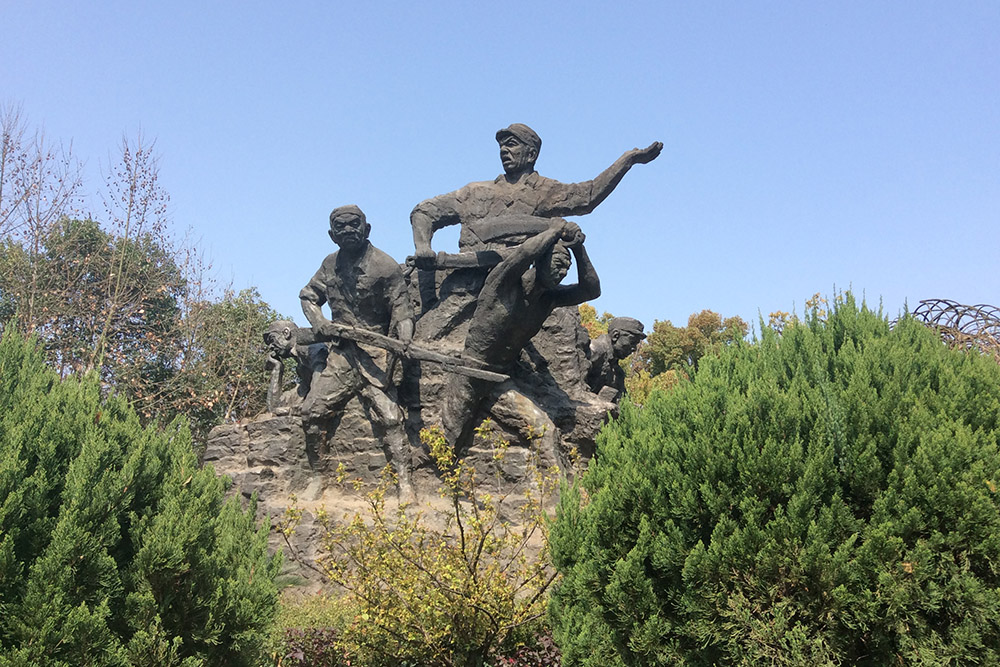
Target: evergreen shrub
<point>826,495</point>
<point>115,547</point>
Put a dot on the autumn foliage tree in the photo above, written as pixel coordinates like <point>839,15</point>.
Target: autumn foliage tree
<point>596,325</point>
<point>670,353</point>
<point>671,348</point>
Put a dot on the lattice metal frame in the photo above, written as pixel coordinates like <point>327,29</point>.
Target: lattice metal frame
<point>963,326</point>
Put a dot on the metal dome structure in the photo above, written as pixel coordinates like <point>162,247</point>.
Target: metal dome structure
<point>963,326</point>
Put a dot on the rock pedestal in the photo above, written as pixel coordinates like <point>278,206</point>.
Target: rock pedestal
<point>268,456</point>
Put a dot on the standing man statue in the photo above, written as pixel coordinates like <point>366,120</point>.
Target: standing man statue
<point>606,378</point>
<point>364,289</point>
<point>505,211</point>
<point>517,297</point>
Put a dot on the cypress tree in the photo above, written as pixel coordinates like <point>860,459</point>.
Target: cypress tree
<point>826,495</point>
<point>115,547</point>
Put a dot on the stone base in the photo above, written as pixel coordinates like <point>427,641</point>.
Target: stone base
<point>268,456</point>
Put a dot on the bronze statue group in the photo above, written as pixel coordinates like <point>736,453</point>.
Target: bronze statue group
<point>505,282</point>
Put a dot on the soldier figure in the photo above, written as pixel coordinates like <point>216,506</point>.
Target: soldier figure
<point>506,210</point>
<point>519,294</point>
<point>364,288</point>
<point>606,378</point>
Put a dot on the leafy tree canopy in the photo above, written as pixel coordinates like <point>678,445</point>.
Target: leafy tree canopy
<point>594,324</point>
<point>671,348</point>
<point>120,296</point>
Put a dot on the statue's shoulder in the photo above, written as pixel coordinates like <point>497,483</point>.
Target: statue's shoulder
<point>600,348</point>
<point>382,263</point>
<point>538,182</point>
<point>475,191</point>
<point>328,266</point>
<point>471,189</point>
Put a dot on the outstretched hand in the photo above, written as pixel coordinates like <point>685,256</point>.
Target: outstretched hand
<point>648,154</point>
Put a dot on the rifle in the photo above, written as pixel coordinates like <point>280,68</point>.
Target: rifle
<point>489,230</point>
<point>462,260</point>
<point>467,367</point>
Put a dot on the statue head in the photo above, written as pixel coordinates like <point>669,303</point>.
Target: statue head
<point>348,227</point>
<point>626,334</point>
<point>553,266</point>
<point>519,147</point>
<point>280,338</point>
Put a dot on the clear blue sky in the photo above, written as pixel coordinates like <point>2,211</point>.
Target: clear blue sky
<point>807,145</point>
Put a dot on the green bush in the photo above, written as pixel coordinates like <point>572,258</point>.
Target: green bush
<point>446,593</point>
<point>115,547</point>
<point>823,496</point>
<point>308,631</point>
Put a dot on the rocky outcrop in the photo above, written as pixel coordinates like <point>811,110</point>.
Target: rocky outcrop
<point>549,408</point>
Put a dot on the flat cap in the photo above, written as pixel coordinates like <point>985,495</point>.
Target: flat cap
<point>349,209</point>
<point>626,324</point>
<point>523,133</point>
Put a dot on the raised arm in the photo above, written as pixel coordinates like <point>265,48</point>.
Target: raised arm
<point>583,198</point>
<point>519,260</point>
<point>588,285</point>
